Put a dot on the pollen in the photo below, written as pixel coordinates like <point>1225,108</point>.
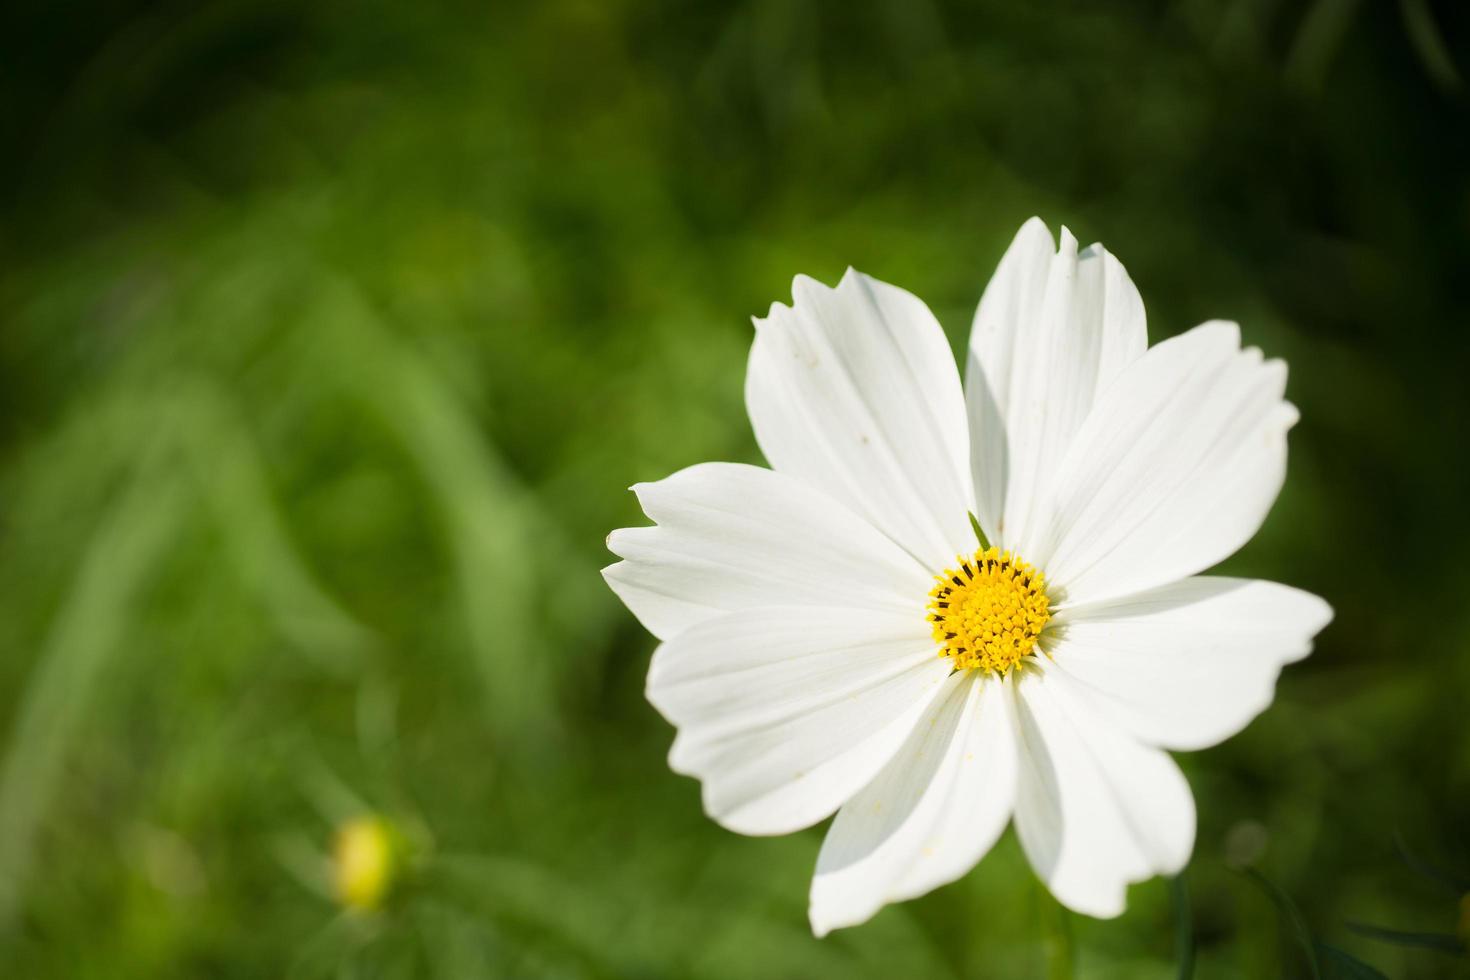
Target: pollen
<point>988,613</point>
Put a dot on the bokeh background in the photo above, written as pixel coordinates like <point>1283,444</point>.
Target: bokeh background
<point>332,334</point>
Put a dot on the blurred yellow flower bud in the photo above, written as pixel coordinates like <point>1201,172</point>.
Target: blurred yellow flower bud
<point>364,858</point>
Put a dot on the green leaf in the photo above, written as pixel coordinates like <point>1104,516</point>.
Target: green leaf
<point>1292,914</point>
<point>979,534</point>
<point>1456,884</point>
<point>1443,942</point>
<point>1341,963</point>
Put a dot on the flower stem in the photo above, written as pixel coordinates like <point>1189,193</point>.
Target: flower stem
<point>1183,926</point>
<point>1056,943</point>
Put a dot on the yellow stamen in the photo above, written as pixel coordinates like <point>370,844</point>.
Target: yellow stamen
<point>989,612</point>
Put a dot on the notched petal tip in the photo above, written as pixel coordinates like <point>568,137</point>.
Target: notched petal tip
<point>805,289</point>
<point>648,491</point>
<point>623,540</point>
<point>853,277</point>
<point>821,926</point>
<point>614,542</point>
<point>615,575</point>
<point>742,820</point>
<point>834,905</point>
<point>653,688</point>
<point>1067,244</point>
<point>1034,226</point>
<point>1109,907</point>
<point>1223,328</point>
<point>1322,614</point>
<point>778,311</point>
<point>1279,365</point>
<point>1287,416</point>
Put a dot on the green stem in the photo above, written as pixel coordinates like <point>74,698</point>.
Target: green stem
<point>1183,927</point>
<point>1056,944</point>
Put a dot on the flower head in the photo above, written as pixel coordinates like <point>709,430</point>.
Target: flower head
<point>949,606</point>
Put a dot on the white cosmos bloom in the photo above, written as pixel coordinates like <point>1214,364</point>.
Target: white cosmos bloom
<point>834,639</point>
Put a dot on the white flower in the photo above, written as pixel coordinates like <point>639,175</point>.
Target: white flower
<point>834,638</point>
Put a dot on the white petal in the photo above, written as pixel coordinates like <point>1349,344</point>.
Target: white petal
<point>855,391</point>
<point>1053,329</point>
<point>1188,665</point>
<point>785,713</point>
<point>1174,469</point>
<point>1095,810</point>
<point>731,537</point>
<point>931,814</point>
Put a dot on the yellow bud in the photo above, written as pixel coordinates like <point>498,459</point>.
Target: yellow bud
<point>363,859</point>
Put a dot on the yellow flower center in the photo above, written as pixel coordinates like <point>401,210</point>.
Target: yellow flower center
<point>988,612</point>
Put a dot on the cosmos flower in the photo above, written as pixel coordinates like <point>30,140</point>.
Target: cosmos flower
<point>947,607</point>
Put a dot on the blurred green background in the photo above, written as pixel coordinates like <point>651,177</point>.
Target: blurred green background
<point>332,334</point>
